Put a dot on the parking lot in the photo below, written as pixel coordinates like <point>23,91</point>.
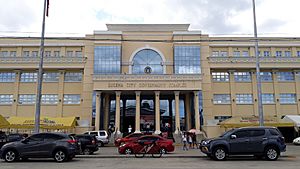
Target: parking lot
<point>108,157</point>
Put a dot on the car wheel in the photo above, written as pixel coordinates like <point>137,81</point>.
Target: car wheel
<point>101,144</point>
<point>86,151</point>
<point>219,154</point>
<point>10,156</point>
<point>163,151</point>
<point>60,156</point>
<point>128,151</point>
<point>271,153</point>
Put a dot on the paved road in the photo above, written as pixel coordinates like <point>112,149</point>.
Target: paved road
<point>290,160</point>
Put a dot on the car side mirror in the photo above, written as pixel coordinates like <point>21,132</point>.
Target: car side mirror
<point>25,141</point>
<point>233,136</point>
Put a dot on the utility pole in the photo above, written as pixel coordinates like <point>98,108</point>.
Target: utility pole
<point>40,76</point>
<point>258,79</point>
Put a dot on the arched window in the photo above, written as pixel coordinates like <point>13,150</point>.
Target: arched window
<point>147,61</point>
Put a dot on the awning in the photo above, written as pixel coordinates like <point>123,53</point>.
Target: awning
<point>235,122</point>
<point>45,122</point>
<point>3,122</point>
<point>294,118</point>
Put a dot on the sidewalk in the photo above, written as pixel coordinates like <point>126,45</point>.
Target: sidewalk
<point>109,151</point>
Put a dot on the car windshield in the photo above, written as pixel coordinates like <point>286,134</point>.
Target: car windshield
<point>227,133</point>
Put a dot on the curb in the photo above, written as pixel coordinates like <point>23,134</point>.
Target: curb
<point>132,156</point>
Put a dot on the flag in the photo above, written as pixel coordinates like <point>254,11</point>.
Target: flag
<point>47,9</point>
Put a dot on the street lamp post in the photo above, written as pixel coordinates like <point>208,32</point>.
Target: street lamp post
<point>258,79</point>
<point>40,76</point>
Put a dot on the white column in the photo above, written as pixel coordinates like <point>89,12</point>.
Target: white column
<point>137,111</point>
<point>98,107</point>
<point>177,115</point>
<point>117,116</point>
<point>157,113</point>
<point>197,115</point>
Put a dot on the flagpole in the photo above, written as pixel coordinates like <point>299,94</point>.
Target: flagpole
<point>40,75</point>
<point>258,79</point>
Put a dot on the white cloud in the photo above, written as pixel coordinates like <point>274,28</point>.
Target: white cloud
<point>210,16</point>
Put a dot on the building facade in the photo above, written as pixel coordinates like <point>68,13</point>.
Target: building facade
<point>149,77</point>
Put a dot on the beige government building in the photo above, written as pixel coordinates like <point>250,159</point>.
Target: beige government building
<point>149,76</point>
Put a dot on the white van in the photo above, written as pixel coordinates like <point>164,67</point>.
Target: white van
<point>101,136</point>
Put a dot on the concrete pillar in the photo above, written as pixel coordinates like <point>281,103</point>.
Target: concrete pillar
<point>157,113</point>
<point>106,111</point>
<point>61,93</point>
<point>197,115</point>
<point>16,93</point>
<point>98,107</point>
<point>254,94</point>
<point>276,93</point>
<point>137,111</point>
<point>177,115</point>
<point>187,105</point>
<point>297,86</point>
<point>117,116</point>
<point>232,93</point>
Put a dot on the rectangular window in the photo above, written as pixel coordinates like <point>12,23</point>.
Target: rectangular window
<point>266,76</point>
<point>267,53</point>
<point>28,77</point>
<point>71,99</point>
<point>73,77</point>
<point>49,99</point>
<point>78,54</point>
<point>278,53</point>
<point>268,98</point>
<point>223,54</point>
<point>47,54</point>
<point>298,53</point>
<point>34,53</point>
<point>4,54</point>
<point>242,76</point>
<point>221,98</point>
<point>26,54</point>
<point>107,60</point>
<point>56,53</point>
<point>245,53</point>
<point>50,77</point>
<point>287,98</point>
<point>27,99</point>
<point>187,60</point>
<point>13,53</point>
<point>69,53</point>
<point>215,53</point>
<point>7,76</point>
<point>236,54</point>
<point>285,76</point>
<point>220,76</point>
<point>287,54</point>
<point>6,99</point>
<point>244,99</point>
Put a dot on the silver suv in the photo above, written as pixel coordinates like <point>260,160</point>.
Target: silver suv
<point>101,136</point>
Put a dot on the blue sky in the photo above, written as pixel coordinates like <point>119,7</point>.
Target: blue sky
<point>215,17</point>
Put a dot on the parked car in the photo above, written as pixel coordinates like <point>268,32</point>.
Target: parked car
<point>87,143</point>
<point>101,135</point>
<point>3,139</point>
<point>261,142</point>
<point>296,141</point>
<point>128,138</point>
<point>166,145</point>
<point>59,146</point>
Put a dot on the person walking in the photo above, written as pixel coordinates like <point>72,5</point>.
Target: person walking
<point>194,139</point>
<point>129,129</point>
<point>190,140</point>
<point>184,140</point>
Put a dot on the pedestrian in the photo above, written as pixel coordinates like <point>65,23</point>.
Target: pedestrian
<point>129,129</point>
<point>194,139</point>
<point>190,141</point>
<point>184,140</point>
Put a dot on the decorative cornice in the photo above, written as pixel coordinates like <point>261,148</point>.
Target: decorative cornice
<point>132,77</point>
